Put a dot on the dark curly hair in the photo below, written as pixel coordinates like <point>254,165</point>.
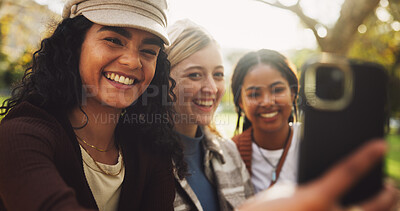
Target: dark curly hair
<point>247,63</point>
<point>53,82</point>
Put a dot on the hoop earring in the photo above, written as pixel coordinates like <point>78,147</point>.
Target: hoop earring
<point>86,122</point>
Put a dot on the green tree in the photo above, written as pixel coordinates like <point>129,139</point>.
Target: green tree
<point>378,40</point>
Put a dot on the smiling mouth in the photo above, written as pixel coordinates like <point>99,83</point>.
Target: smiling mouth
<point>269,115</point>
<point>204,103</point>
<point>120,79</point>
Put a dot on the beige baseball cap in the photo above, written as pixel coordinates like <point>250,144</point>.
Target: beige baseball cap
<point>147,15</point>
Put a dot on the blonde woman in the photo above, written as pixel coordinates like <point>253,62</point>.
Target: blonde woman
<point>218,179</point>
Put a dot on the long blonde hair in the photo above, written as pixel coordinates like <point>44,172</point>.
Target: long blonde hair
<point>186,39</point>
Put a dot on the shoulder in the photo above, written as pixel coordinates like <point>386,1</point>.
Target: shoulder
<point>217,139</point>
<point>243,138</point>
<point>226,146</point>
<point>297,131</point>
<point>28,122</point>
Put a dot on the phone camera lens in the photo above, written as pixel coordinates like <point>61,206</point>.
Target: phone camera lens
<point>329,83</point>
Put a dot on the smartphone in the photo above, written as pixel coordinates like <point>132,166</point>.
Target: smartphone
<point>342,105</point>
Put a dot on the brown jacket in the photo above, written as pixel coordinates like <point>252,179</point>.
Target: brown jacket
<point>41,167</point>
<point>243,143</point>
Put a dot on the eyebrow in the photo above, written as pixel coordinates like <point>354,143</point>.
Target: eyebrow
<point>199,67</point>
<point>123,32</point>
<point>118,30</point>
<point>153,41</point>
<point>257,87</point>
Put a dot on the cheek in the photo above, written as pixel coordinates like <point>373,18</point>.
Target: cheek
<point>221,90</point>
<point>248,106</point>
<point>188,88</point>
<point>284,100</point>
<point>149,75</point>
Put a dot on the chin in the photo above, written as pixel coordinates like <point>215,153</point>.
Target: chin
<point>204,121</point>
<point>118,104</point>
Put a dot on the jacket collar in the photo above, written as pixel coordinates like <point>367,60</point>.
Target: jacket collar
<point>212,143</point>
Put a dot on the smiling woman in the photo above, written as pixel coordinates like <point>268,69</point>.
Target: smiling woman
<point>71,132</point>
<point>265,87</point>
<point>196,65</point>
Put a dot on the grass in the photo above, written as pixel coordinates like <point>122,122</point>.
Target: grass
<point>393,158</point>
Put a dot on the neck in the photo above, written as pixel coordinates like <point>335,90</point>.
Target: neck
<point>100,127</point>
<point>188,130</point>
<point>272,140</point>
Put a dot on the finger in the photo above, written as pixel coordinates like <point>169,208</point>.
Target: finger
<point>339,178</point>
<point>385,200</point>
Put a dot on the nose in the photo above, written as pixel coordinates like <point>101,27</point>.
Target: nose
<point>267,100</point>
<point>209,86</point>
<point>131,59</point>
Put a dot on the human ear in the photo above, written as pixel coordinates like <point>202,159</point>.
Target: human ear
<point>240,102</point>
<point>293,94</point>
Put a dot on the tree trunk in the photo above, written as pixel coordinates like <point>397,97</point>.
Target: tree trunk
<point>340,38</point>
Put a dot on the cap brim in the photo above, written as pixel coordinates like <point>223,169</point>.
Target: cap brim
<point>127,19</point>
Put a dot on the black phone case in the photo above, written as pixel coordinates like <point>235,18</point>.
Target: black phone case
<point>328,136</point>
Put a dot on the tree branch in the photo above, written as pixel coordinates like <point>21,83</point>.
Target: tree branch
<point>352,15</point>
<point>296,9</point>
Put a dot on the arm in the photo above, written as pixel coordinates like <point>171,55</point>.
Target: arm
<point>29,179</point>
<point>160,191</point>
<point>324,193</point>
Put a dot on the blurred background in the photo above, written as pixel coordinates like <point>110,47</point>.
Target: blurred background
<point>360,29</point>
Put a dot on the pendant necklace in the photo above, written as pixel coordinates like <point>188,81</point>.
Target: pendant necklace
<point>278,167</point>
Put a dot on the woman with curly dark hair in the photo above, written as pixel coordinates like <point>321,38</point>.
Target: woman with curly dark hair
<point>88,127</point>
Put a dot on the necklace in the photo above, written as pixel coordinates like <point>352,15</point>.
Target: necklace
<point>276,168</point>
<point>101,169</point>
<point>92,146</point>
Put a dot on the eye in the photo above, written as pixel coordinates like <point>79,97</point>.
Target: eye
<point>113,40</point>
<point>219,75</point>
<point>253,94</point>
<point>277,90</point>
<point>150,52</point>
<point>194,75</point>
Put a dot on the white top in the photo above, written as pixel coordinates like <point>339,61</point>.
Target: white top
<point>106,189</point>
<point>262,171</point>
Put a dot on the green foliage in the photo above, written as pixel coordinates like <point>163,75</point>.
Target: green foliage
<point>15,70</point>
<point>11,71</point>
<point>393,157</point>
<point>381,44</point>
<point>300,56</point>
<point>2,98</point>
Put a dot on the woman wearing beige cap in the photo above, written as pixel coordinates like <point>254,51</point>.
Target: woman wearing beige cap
<point>78,134</point>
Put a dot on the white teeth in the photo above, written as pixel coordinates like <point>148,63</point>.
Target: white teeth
<point>120,79</point>
<point>126,82</point>
<point>205,102</point>
<point>269,115</point>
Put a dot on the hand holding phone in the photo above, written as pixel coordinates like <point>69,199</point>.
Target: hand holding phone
<point>342,105</point>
